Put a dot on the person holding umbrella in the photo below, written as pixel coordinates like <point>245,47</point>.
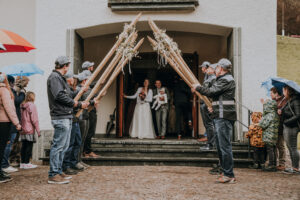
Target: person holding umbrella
<point>291,126</point>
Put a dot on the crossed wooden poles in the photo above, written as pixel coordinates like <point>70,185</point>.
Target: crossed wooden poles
<point>126,40</point>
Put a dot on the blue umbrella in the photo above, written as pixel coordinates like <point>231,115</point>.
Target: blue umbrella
<point>281,82</point>
<point>22,70</point>
<point>268,84</point>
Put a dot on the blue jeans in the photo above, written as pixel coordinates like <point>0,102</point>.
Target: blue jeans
<point>5,162</point>
<point>71,156</point>
<point>60,144</point>
<point>223,133</point>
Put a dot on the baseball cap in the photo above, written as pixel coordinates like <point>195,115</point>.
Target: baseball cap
<point>87,64</point>
<point>62,60</point>
<point>224,63</point>
<point>213,66</point>
<point>83,76</point>
<point>205,64</point>
<point>69,75</point>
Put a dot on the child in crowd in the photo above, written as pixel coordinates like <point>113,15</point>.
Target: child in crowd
<point>30,125</point>
<point>255,134</point>
<point>270,125</point>
<point>158,102</point>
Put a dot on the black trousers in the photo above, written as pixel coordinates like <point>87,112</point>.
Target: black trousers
<point>182,112</point>
<point>26,151</point>
<point>260,155</point>
<point>4,137</point>
<point>271,150</point>
<point>91,132</point>
<point>84,127</point>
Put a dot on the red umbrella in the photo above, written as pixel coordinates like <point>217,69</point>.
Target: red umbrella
<point>13,42</point>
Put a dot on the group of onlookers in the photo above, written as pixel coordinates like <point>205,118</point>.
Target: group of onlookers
<point>18,124</point>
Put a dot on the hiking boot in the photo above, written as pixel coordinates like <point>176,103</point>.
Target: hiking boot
<point>10,169</point>
<point>226,179</point>
<point>270,169</point>
<point>65,177</point>
<point>280,168</point>
<point>57,179</point>
<point>4,178</point>
<point>70,171</point>
<point>216,170</point>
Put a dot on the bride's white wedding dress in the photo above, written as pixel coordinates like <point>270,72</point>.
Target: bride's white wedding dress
<point>142,125</point>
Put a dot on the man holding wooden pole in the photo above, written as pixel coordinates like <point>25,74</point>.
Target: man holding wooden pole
<point>224,115</point>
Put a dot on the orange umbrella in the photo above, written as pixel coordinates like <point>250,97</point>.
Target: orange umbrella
<point>13,42</point>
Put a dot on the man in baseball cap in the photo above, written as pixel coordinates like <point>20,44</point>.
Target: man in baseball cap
<point>61,104</point>
<point>88,66</point>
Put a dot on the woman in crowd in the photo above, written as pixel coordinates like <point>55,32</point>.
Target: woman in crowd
<point>7,116</point>
<point>30,125</point>
<point>142,124</point>
<point>291,126</point>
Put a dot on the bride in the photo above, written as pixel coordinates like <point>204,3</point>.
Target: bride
<point>142,124</point>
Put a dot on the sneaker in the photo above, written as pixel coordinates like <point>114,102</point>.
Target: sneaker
<point>78,167</point>
<point>216,170</point>
<point>4,178</point>
<point>226,179</point>
<point>10,169</point>
<point>93,155</point>
<point>70,171</point>
<point>203,139</point>
<point>22,165</point>
<point>57,179</point>
<point>66,177</point>
<point>205,148</point>
<point>291,171</point>
<point>84,164</point>
<point>254,166</point>
<point>270,169</point>
<point>29,166</point>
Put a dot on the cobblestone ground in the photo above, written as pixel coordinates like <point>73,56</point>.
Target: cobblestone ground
<point>151,182</point>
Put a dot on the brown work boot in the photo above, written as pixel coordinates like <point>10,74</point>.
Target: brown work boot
<point>57,179</point>
<point>204,139</point>
<point>86,155</point>
<point>93,155</point>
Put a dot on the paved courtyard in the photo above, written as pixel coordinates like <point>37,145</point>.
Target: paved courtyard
<point>151,182</point>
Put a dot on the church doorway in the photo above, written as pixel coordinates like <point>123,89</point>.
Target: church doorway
<point>146,67</point>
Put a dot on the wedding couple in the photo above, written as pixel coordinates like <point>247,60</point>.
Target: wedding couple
<point>142,124</point>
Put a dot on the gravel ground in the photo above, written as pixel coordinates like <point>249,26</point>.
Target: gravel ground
<point>151,182</point>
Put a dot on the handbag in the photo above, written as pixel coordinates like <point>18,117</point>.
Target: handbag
<point>293,114</point>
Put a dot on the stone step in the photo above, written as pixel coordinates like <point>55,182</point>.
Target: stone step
<point>158,161</point>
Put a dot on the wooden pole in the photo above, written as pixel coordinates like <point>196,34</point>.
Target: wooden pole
<point>116,73</point>
<point>173,65</point>
<point>186,70</point>
<point>108,70</point>
<point>107,57</point>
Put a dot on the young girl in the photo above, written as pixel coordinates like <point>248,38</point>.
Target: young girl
<point>30,125</point>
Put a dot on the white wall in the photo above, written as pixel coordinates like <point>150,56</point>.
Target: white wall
<point>256,18</point>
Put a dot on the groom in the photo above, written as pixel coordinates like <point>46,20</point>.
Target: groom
<point>162,113</point>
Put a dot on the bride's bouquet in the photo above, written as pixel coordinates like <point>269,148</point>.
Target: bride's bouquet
<point>142,95</point>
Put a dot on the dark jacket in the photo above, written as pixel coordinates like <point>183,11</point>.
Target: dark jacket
<point>85,113</point>
<point>182,93</point>
<point>60,97</point>
<point>209,81</point>
<point>222,93</point>
<point>19,98</point>
<point>289,119</point>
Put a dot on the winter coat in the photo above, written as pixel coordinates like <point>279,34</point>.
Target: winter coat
<point>29,119</point>
<point>270,122</point>
<point>222,92</point>
<point>60,97</point>
<point>255,132</point>
<point>7,106</point>
<point>288,118</point>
